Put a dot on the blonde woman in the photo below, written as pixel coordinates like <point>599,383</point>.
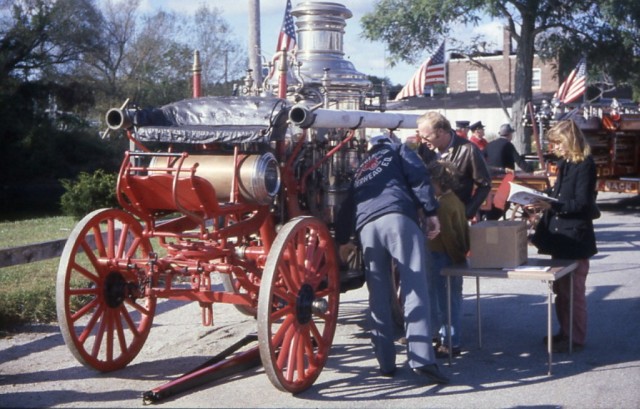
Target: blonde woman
<point>566,228</point>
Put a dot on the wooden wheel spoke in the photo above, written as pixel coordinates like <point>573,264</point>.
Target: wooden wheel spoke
<point>122,242</point>
<point>282,312</point>
<point>86,273</point>
<point>122,311</point>
<point>309,351</point>
<point>102,327</point>
<point>111,241</point>
<point>131,251</point>
<point>83,291</point>
<point>296,358</point>
<point>287,336</point>
<point>140,308</point>
<point>86,309</point>
<point>93,260</point>
<point>317,336</point>
<point>278,337</point>
<point>290,268</point>
<point>91,324</point>
<point>97,238</point>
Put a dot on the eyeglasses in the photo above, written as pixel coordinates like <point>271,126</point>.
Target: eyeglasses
<point>429,136</point>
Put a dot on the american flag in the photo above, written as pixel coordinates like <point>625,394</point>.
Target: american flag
<point>430,72</point>
<point>287,38</point>
<point>575,84</point>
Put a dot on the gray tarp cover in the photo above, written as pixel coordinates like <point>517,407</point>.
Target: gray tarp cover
<point>214,119</point>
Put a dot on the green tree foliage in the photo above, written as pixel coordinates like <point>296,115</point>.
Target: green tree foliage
<point>597,28</point>
<point>88,193</point>
<point>64,63</point>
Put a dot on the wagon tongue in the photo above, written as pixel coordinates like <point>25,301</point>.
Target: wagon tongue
<point>220,366</point>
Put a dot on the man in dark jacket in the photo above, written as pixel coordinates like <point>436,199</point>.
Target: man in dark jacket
<point>475,179</point>
<point>502,156</point>
<point>390,188</point>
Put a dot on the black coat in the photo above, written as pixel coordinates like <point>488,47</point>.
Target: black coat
<point>500,153</point>
<point>566,230</point>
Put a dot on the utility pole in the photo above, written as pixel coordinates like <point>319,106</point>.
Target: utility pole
<point>255,62</point>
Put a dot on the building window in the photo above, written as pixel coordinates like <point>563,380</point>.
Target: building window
<point>472,80</point>
<point>536,78</point>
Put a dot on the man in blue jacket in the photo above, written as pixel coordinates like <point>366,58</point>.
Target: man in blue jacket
<point>390,192</point>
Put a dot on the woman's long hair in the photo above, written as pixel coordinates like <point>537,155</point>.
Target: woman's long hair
<point>570,137</point>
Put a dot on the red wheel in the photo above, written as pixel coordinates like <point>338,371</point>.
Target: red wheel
<point>529,213</point>
<point>236,286</point>
<point>298,304</point>
<point>103,313</point>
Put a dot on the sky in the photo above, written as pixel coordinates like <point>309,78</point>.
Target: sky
<point>367,57</point>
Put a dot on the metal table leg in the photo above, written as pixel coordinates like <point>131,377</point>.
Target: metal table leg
<point>478,317</point>
<point>549,329</point>
<point>449,341</point>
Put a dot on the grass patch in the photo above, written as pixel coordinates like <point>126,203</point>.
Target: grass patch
<point>28,291</point>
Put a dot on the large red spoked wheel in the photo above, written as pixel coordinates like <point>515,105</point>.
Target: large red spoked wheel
<point>103,313</point>
<point>298,304</point>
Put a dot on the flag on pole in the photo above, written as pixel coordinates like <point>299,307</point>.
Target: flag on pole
<point>287,37</point>
<point>575,84</point>
<point>430,72</point>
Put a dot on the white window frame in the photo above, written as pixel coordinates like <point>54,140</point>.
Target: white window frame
<point>472,80</point>
<point>536,78</point>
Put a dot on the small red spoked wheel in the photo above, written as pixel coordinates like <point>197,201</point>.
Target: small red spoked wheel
<point>103,313</point>
<point>530,214</point>
<point>298,304</point>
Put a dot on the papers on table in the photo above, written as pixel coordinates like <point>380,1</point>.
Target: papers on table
<point>529,268</point>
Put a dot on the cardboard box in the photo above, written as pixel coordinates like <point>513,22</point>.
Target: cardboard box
<point>498,244</point>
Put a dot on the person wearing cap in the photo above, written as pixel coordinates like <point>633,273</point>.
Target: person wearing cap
<point>477,135</point>
<point>462,129</point>
<point>475,180</point>
<point>389,191</point>
<point>502,156</point>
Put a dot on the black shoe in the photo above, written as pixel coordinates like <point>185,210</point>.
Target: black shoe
<point>563,346</point>
<point>390,373</point>
<point>555,339</point>
<point>432,373</point>
<point>442,351</point>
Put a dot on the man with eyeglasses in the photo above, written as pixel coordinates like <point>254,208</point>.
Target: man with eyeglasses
<point>442,143</point>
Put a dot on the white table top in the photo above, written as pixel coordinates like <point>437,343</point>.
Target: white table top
<point>533,269</point>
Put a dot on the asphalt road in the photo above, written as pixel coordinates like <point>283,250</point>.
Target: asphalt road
<point>37,370</point>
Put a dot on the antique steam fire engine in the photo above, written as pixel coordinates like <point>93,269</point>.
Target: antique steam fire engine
<point>244,188</point>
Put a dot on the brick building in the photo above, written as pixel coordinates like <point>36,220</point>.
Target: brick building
<point>464,76</point>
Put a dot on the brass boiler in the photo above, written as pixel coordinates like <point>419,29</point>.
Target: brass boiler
<point>258,174</point>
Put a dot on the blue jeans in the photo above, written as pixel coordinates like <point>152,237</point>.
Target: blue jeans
<point>438,298</point>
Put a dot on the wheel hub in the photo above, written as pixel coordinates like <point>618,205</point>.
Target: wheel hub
<point>304,304</point>
<point>115,289</point>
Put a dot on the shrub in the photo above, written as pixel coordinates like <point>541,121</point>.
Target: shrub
<point>88,193</point>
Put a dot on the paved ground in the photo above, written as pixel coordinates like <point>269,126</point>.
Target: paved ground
<point>36,369</point>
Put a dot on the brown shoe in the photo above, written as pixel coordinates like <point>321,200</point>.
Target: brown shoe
<point>442,351</point>
<point>555,339</point>
<point>563,346</point>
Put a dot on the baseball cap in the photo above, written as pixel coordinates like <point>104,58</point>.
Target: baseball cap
<point>374,140</point>
<point>505,130</point>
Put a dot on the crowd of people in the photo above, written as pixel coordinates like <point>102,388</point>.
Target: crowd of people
<point>411,210</point>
